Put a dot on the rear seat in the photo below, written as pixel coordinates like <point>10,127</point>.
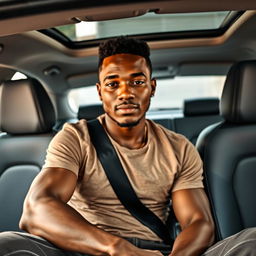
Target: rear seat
<point>90,112</point>
<point>198,114</point>
<point>166,122</point>
<point>27,118</point>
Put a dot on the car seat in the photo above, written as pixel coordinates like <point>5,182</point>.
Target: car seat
<point>198,114</point>
<point>90,112</point>
<point>228,151</point>
<point>26,121</point>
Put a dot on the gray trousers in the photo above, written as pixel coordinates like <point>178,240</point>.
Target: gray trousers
<point>22,244</point>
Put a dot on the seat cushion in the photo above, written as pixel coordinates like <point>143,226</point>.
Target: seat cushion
<point>229,155</point>
<point>14,185</point>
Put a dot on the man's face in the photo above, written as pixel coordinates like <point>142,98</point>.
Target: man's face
<point>125,88</point>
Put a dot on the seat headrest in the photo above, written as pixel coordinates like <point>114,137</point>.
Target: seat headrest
<point>25,107</point>
<point>90,112</point>
<point>238,103</point>
<point>199,107</point>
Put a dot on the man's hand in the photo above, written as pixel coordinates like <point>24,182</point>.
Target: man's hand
<point>124,248</point>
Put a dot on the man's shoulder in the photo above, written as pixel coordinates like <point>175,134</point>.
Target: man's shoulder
<point>78,129</point>
<point>172,135</point>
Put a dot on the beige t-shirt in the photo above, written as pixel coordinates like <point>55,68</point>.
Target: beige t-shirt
<point>168,162</point>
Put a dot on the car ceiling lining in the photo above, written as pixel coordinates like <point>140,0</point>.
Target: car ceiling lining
<point>34,15</point>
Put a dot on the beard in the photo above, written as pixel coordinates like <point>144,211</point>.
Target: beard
<point>128,124</point>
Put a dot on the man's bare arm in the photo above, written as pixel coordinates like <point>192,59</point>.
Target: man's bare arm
<point>192,210</point>
<point>47,214</point>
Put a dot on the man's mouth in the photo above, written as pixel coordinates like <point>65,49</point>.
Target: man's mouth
<point>127,108</point>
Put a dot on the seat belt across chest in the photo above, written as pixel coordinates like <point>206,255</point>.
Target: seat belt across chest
<point>120,182</point>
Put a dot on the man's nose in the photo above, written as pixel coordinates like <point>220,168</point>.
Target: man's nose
<point>125,91</point>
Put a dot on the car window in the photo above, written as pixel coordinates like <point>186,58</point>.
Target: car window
<point>148,23</point>
<point>18,75</point>
<point>170,93</point>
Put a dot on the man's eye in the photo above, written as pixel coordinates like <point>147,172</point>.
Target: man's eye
<point>138,82</point>
<point>112,84</point>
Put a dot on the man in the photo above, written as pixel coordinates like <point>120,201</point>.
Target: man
<point>71,208</point>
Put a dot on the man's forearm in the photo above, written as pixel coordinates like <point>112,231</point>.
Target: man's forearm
<point>66,228</point>
<point>194,239</point>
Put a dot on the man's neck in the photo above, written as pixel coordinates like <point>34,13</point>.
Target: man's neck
<point>134,137</point>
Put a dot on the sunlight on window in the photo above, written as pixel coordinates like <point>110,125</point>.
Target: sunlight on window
<point>86,30</point>
<point>18,76</point>
<point>171,93</point>
<point>83,96</point>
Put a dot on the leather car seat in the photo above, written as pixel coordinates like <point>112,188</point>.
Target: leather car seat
<point>228,151</point>
<point>198,114</point>
<point>90,112</point>
<point>26,119</point>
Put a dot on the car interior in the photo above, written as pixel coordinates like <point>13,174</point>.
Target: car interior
<point>204,61</point>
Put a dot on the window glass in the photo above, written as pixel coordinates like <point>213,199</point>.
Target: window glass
<point>170,93</point>
<point>145,24</point>
<point>18,76</point>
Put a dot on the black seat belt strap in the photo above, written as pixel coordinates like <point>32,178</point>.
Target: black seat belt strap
<point>120,182</point>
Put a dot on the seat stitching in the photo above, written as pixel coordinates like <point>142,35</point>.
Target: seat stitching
<point>243,242</point>
<point>213,248</point>
<point>19,251</point>
<point>47,246</point>
<point>37,242</point>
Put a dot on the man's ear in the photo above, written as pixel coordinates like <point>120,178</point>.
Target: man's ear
<point>99,91</point>
<point>153,86</point>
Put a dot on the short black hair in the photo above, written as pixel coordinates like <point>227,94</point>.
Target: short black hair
<point>124,44</point>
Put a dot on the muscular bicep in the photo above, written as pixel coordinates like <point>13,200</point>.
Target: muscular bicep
<point>191,205</point>
<point>57,183</point>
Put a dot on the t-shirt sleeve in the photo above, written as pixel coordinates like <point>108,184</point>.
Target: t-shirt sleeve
<point>190,174</point>
<point>65,150</point>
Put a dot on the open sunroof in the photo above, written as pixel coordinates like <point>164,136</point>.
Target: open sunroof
<point>149,23</point>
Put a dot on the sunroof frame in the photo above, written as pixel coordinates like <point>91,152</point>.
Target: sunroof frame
<point>192,34</point>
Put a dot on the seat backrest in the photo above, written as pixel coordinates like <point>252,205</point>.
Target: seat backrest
<point>165,122</point>
<point>228,151</point>
<point>198,114</point>
<point>26,121</point>
<point>90,112</point>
